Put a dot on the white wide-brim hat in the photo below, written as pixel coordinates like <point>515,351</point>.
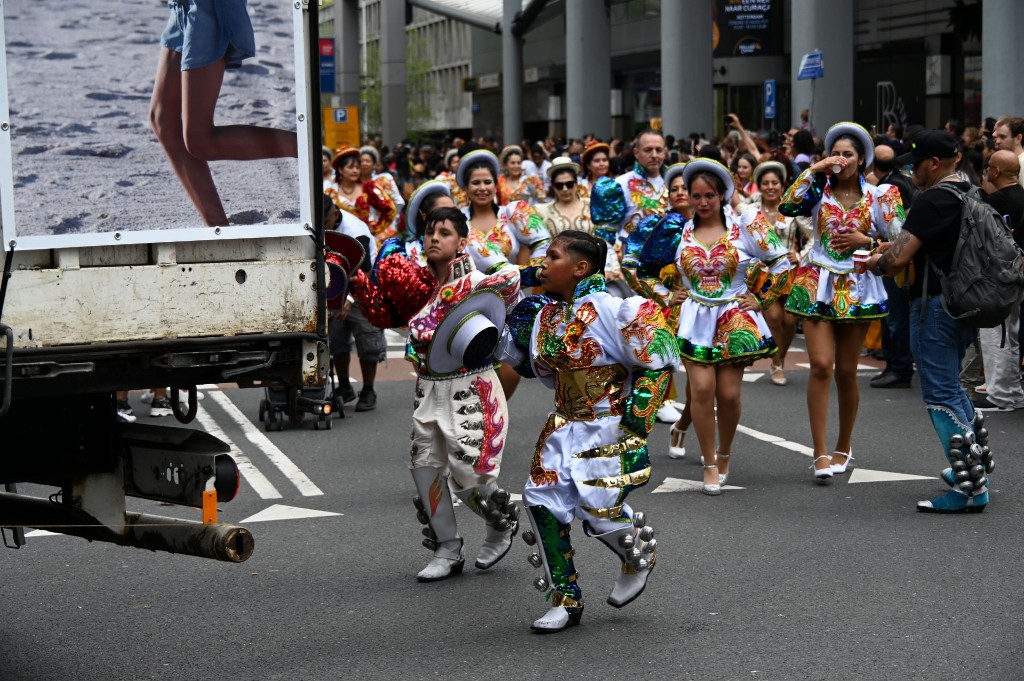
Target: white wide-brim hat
<point>763,168</point>
<point>707,165</point>
<point>412,210</point>
<point>855,130</point>
<point>468,334</point>
<point>475,157</point>
<point>563,163</point>
<point>674,171</point>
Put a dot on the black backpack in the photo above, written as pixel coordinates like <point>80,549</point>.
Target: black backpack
<point>986,279</point>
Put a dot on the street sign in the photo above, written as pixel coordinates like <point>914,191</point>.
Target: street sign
<point>812,66</point>
<point>326,65</point>
<point>770,100</point>
<point>341,126</point>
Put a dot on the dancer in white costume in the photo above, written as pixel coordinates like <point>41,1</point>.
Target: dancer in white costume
<point>608,360</point>
<point>460,417</point>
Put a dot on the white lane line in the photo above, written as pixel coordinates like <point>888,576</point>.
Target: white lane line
<point>259,483</point>
<point>276,456</point>
<point>750,376</point>
<point>860,367</point>
<point>776,440</point>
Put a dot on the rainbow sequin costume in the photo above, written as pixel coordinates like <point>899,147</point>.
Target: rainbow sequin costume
<point>826,287</point>
<point>608,360</point>
<point>711,328</point>
<point>620,205</point>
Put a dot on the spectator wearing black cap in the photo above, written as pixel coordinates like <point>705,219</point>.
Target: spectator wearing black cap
<point>938,341</point>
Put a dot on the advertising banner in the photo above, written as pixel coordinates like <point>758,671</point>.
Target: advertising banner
<point>151,116</point>
<point>747,28</point>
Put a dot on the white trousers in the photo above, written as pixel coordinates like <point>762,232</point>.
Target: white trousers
<point>1002,364</point>
<point>459,424</point>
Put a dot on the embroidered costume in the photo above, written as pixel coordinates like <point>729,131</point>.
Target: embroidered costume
<point>530,189</point>
<point>460,418</point>
<point>826,287</point>
<point>518,226</point>
<point>621,204</point>
<point>373,206</point>
<point>711,328</point>
<point>458,193</point>
<point>609,361</point>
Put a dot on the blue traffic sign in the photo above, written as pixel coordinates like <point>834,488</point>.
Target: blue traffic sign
<point>341,114</point>
<point>770,99</point>
<point>326,65</point>
<point>812,66</point>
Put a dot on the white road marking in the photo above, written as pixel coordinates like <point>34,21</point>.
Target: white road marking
<point>776,440</point>
<point>751,376</point>
<point>868,475</point>
<point>305,486</point>
<point>680,485</point>
<point>860,367</point>
<point>259,483</point>
<point>282,512</point>
<point>41,533</point>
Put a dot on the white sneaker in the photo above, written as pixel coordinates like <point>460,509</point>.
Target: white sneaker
<point>667,414</point>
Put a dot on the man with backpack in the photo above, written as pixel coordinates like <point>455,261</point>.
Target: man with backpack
<point>929,239</point>
<point>1000,348</point>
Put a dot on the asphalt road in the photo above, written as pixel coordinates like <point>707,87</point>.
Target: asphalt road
<point>780,579</point>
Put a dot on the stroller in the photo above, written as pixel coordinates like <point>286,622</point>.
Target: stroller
<point>323,402</point>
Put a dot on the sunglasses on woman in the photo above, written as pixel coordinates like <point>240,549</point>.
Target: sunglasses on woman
<point>564,185</point>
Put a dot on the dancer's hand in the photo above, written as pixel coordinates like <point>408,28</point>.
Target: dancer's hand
<point>678,295</point>
<point>748,303</point>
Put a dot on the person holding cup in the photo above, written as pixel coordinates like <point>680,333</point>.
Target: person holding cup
<point>836,302</point>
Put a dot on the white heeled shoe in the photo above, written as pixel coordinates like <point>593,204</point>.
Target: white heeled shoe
<point>837,468</point>
<point>723,477</point>
<point>676,438</point>
<point>822,475</point>
<point>711,490</point>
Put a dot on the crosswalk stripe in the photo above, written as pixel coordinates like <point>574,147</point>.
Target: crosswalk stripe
<point>259,482</point>
<point>305,486</point>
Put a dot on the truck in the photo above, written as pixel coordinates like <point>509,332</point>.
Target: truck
<point>111,282</point>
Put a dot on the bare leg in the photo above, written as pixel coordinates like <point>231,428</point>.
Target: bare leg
<point>509,379</point>
<point>165,117</point>
<point>727,392</point>
<point>701,381</point>
<point>686,415</point>
<point>784,335</point>
<point>821,352</point>
<point>849,340</point>
<point>773,317</point>
<point>209,142</point>
<point>369,369</point>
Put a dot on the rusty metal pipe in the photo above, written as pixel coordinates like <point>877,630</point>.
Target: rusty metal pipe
<point>229,543</point>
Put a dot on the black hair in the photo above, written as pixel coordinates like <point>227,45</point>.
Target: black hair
<point>710,151</point>
<point>858,146</point>
<point>328,204</point>
<point>715,181</point>
<point>803,142</point>
<point>448,214</point>
<point>884,165</point>
<point>425,208</point>
<point>475,165</point>
<point>349,160</point>
<point>772,171</point>
<point>587,246</point>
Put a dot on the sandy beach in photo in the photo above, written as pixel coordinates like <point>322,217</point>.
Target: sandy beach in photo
<point>80,76</point>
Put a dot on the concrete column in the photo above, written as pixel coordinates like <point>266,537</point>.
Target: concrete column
<point>588,69</point>
<point>511,75</point>
<point>687,85</point>
<point>1002,53</point>
<point>827,27</point>
<point>346,34</point>
<point>393,102</point>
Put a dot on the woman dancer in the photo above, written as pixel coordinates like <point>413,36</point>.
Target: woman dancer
<point>203,39</point>
<point>460,417</point>
<point>515,229</point>
<point>568,210</point>
<point>720,328</point>
<point>797,235</point>
<point>837,304</point>
<point>608,360</point>
<point>369,161</point>
<point>596,165</point>
<point>645,281</point>
<point>743,172</point>
<point>513,184</point>
<point>366,200</point>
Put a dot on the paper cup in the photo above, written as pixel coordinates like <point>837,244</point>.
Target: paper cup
<point>860,261</point>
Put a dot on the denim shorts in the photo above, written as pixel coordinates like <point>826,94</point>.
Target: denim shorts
<point>206,31</point>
